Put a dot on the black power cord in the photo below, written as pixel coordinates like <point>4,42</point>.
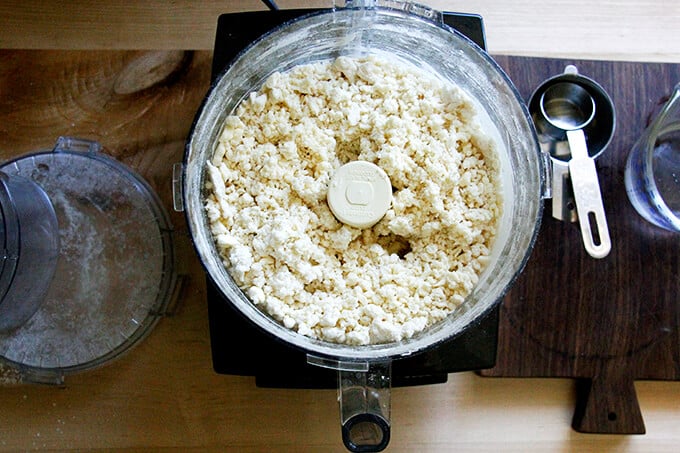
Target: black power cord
<point>271,4</point>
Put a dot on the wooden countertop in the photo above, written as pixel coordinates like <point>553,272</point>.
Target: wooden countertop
<point>164,394</point>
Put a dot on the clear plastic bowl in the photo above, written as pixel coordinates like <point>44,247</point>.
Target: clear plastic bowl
<point>432,46</point>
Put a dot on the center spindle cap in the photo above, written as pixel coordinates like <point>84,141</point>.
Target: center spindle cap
<point>359,194</point>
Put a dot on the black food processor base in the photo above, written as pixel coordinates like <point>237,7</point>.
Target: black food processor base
<point>240,348</point>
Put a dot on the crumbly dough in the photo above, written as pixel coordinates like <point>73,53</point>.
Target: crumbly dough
<point>266,199</point>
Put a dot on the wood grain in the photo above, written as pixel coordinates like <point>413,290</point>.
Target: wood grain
<point>163,394</point>
<point>115,98</point>
<point>634,30</point>
<point>609,321</point>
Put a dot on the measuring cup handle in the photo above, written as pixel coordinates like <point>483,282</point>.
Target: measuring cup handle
<point>588,197</point>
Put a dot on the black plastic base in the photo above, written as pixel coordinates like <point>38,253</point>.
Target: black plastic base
<point>240,348</point>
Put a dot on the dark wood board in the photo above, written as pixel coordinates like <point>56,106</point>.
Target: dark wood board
<point>604,322</point>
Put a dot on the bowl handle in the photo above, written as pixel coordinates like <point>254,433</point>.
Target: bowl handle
<point>364,398</point>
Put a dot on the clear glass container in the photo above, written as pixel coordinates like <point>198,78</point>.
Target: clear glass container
<point>652,174</point>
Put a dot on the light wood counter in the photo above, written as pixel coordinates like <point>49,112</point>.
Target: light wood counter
<point>642,30</point>
<point>164,393</point>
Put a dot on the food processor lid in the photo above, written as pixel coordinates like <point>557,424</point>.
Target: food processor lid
<point>115,271</point>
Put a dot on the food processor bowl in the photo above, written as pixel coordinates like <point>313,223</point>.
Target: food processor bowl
<point>431,46</point>
<point>397,34</point>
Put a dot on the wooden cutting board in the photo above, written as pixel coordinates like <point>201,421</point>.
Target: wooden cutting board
<point>605,322</point>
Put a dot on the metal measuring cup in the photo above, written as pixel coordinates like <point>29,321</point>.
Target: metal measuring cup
<point>574,118</point>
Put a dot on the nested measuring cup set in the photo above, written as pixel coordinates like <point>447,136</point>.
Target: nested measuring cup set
<point>575,120</point>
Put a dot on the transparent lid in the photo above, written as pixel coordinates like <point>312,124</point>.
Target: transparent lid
<point>114,274</point>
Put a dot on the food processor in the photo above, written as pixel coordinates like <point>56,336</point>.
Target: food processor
<point>420,36</point>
